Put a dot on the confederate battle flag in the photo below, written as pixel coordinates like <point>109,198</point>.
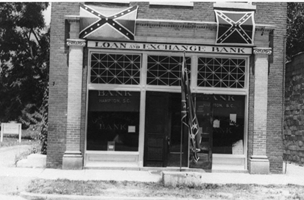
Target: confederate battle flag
<point>189,120</point>
<point>116,23</point>
<point>235,27</point>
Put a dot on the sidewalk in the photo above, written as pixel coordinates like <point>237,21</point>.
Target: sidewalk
<point>294,175</point>
<point>14,179</point>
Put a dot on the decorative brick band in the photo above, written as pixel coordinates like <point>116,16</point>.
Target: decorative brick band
<point>266,51</point>
<point>177,25</point>
<point>76,42</point>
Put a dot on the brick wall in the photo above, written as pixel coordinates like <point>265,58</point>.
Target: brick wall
<point>58,83</point>
<point>294,110</point>
<point>275,14</point>
<point>202,11</point>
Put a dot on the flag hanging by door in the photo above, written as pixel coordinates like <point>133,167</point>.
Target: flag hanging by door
<point>102,22</point>
<point>189,119</point>
<point>235,27</point>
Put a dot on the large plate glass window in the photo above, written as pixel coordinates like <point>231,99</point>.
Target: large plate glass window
<point>224,115</point>
<point>113,120</point>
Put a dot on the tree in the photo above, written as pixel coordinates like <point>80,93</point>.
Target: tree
<point>24,55</point>
<point>295,29</point>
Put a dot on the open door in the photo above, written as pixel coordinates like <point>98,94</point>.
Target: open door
<point>156,129</point>
<point>175,154</point>
<point>163,131</point>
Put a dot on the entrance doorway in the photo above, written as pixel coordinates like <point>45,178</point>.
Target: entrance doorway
<point>163,131</point>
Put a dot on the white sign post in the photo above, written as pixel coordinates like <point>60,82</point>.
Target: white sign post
<point>11,129</point>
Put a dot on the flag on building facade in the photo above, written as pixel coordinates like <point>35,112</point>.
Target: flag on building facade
<point>117,23</point>
<point>189,119</point>
<point>235,27</point>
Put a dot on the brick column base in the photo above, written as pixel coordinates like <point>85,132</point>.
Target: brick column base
<point>259,165</point>
<point>72,160</point>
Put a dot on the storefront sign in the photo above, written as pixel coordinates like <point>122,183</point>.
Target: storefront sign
<point>170,47</point>
<point>11,129</point>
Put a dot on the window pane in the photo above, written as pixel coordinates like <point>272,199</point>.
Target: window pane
<point>113,120</point>
<point>115,68</point>
<point>165,70</point>
<point>221,72</point>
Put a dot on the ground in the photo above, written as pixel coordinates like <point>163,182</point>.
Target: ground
<point>136,189</point>
<point>12,186</point>
<point>10,152</point>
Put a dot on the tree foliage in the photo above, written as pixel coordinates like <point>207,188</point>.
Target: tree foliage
<point>295,29</point>
<point>24,55</point>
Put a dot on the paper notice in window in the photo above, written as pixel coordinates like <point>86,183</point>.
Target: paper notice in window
<point>232,119</point>
<point>131,129</point>
<point>216,123</point>
<point>200,129</point>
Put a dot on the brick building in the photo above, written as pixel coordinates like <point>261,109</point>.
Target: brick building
<point>115,85</point>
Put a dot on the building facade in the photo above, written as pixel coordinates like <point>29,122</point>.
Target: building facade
<point>115,85</point>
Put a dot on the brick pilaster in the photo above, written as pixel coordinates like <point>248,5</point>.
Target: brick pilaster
<point>259,163</point>
<point>72,158</point>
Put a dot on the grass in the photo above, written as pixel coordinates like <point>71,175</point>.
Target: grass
<point>9,141</point>
<point>137,189</point>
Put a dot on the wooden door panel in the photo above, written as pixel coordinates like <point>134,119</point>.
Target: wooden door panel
<point>156,129</point>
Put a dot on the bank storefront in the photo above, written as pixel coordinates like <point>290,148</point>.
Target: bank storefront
<point>134,104</point>
<point>123,104</point>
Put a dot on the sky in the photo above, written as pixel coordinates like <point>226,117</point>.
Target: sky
<point>47,15</point>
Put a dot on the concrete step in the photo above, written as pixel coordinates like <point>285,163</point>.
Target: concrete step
<point>229,168</point>
<point>33,160</point>
<point>221,159</point>
<point>112,165</point>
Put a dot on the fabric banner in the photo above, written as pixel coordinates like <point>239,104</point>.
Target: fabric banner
<point>112,23</point>
<point>235,27</point>
<point>189,119</point>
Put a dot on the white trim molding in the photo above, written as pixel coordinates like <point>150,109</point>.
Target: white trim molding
<point>76,42</point>
<point>262,50</point>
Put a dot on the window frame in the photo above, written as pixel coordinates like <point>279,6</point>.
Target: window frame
<point>143,87</point>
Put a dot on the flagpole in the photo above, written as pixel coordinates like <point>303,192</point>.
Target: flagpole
<point>182,126</point>
<point>181,148</point>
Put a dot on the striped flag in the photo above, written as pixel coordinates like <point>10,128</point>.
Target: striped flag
<point>235,27</point>
<point>189,119</point>
<point>116,23</point>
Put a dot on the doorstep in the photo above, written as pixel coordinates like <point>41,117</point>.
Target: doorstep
<point>112,165</point>
<point>218,168</point>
